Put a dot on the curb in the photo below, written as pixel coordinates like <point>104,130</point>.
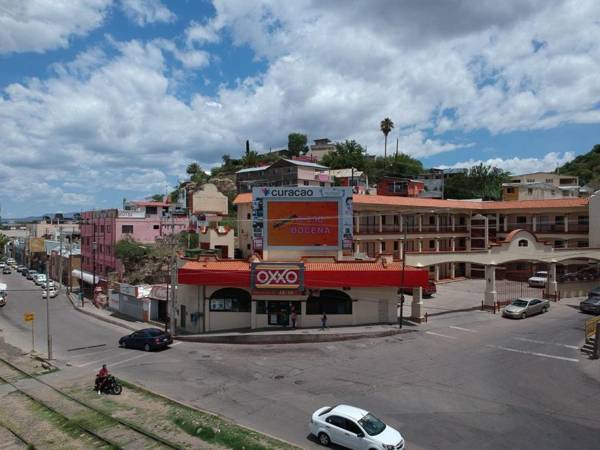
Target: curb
<point>104,319</point>
<point>286,338</point>
<point>206,411</point>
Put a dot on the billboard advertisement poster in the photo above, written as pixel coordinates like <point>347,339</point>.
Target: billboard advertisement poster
<point>302,217</point>
<point>303,224</point>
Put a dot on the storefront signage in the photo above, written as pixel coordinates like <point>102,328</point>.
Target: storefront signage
<point>278,276</point>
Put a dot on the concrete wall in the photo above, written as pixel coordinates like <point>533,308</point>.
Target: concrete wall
<point>594,214</point>
<point>228,320</point>
<point>191,297</point>
<point>214,238</point>
<point>209,200</point>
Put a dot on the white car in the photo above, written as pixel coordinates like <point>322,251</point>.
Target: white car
<point>353,428</point>
<point>51,284</point>
<point>52,292</point>
<point>40,279</point>
<point>539,279</point>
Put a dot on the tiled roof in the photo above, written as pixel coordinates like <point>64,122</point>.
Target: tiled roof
<point>418,202</point>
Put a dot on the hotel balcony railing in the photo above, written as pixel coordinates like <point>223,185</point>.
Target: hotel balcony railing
<point>395,229</point>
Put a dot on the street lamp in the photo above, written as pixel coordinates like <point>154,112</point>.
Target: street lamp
<point>94,264</point>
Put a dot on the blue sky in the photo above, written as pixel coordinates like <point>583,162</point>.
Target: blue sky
<point>102,100</point>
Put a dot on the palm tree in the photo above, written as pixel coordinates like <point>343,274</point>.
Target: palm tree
<point>193,168</point>
<point>386,126</point>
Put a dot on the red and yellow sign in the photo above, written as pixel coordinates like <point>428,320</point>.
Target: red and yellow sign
<point>303,224</point>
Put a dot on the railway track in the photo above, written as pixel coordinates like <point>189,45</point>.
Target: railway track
<point>101,428</point>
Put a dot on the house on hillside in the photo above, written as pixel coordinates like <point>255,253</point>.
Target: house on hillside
<point>401,187</point>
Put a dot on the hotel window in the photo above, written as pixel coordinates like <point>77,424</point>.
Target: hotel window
<point>431,244</point>
<point>549,180</point>
<point>529,191</point>
<point>127,229</point>
<point>383,246</point>
<point>531,180</point>
<point>510,190</point>
<point>582,244</point>
<point>155,227</point>
<point>521,219</point>
<point>583,220</point>
<point>396,245</point>
<point>305,182</point>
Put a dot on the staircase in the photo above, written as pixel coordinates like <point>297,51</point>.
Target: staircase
<point>588,347</point>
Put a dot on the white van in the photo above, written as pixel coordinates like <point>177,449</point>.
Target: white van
<point>40,279</point>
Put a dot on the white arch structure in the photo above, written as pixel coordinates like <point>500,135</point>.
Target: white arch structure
<point>519,245</point>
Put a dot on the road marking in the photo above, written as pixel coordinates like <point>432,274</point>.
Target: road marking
<point>535,341</point>
<point>85,348</point>
<point>176,343</point>
<point>463,329</point>
<point>82,355</point>
<point>101,361</point>
<point>129,359</point>
<point>440,334</point>
<point>524,352</point>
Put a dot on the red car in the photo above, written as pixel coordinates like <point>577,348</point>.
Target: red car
<point>427,292</point>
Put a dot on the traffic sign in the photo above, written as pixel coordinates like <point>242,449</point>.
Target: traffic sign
<point>28,317</point>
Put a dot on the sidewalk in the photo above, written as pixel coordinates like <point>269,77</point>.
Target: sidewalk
<point>299,335</point>
<point>108,316</point>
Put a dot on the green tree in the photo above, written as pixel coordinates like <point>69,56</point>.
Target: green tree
<point>481,181</point>
<point>347,154</point>
<point>4,239</point>
<point>130,252</point>
<point>250,159</point>
<point>157,198</point>
<point>400,165</point>
<point>386,126</point>
<point>586,167</point>
<point>297,144</point>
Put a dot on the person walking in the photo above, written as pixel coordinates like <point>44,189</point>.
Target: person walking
<point>294,318</point>
<point>323,321</point>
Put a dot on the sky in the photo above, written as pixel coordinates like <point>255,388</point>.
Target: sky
<point>102,100</point>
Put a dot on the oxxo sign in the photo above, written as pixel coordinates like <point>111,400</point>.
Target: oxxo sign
<point>277,276</point>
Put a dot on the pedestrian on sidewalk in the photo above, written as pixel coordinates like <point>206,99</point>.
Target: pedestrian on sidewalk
<point>323,321</point>
<point>294,318</point>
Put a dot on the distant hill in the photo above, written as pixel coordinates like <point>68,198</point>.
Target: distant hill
<point>586,167</point>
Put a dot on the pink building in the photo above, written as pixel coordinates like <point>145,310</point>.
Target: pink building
<point>143,221</point>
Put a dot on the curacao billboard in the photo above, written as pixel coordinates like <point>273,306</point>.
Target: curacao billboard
<point>302,218</point>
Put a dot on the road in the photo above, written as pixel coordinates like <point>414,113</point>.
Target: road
<point>465,380</point>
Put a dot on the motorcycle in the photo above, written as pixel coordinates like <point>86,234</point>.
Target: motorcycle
<point>110,386</point>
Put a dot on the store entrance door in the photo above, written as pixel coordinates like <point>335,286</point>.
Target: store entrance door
<point>279,313</point>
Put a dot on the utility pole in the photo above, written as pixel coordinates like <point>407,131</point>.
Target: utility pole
<point>401,304</point>
<point>173,276</point>
<point>93,260</point>
<point>60,266</point>
<point>48,311</point>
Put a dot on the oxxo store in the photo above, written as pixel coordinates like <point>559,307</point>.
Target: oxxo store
<point>228,295</point>
<point>302,265</point>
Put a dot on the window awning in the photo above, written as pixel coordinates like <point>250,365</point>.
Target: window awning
<point>85,276</point>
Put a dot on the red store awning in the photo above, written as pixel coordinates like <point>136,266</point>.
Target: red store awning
<point>317,275</point>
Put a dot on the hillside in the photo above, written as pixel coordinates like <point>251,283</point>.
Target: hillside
<point>586,167</point>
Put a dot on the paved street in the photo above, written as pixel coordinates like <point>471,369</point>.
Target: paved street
<point>464,380</point>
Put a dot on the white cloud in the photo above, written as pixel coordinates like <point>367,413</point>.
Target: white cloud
<point>40,25</point>
<point>198,33</point>
<point>143,12</point>
<point>518,165</point>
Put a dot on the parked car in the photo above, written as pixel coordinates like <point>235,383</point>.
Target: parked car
<point>427,292</point>
<point>147,339</point>
<point>2,264</point>
<point>592,303</point>
<point>521,308</point>
<point>50,284</point>
<point>6,270</point>
<point>52,292</point>
<point>31,273</point>
<point>40,279</point>
<point>539,279</point>
<point>353,428</point>
<point>20,268</point>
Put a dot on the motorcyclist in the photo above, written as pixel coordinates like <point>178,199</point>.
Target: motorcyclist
<point>101,378</point>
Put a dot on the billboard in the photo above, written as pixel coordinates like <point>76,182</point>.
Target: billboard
<point>277,276</point>
<point>307,218</point>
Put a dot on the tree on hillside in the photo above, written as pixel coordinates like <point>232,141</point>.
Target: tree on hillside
<point>197,175</point>
<point>586,167</point>
<point>4,239</point>
<point>400,165</point>
<point>250,159</point>
<point>130,253</point>
<point>347,154</point>
<point>481,181</point>
<point>297,144</point>
<point>386,126</point>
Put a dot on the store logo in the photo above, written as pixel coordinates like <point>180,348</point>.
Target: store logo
<point>269,276</point>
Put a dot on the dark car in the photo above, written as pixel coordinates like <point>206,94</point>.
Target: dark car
<point>592,303</point>
<point>147,339</point>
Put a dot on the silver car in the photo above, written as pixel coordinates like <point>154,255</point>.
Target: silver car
<point>521,308</point>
